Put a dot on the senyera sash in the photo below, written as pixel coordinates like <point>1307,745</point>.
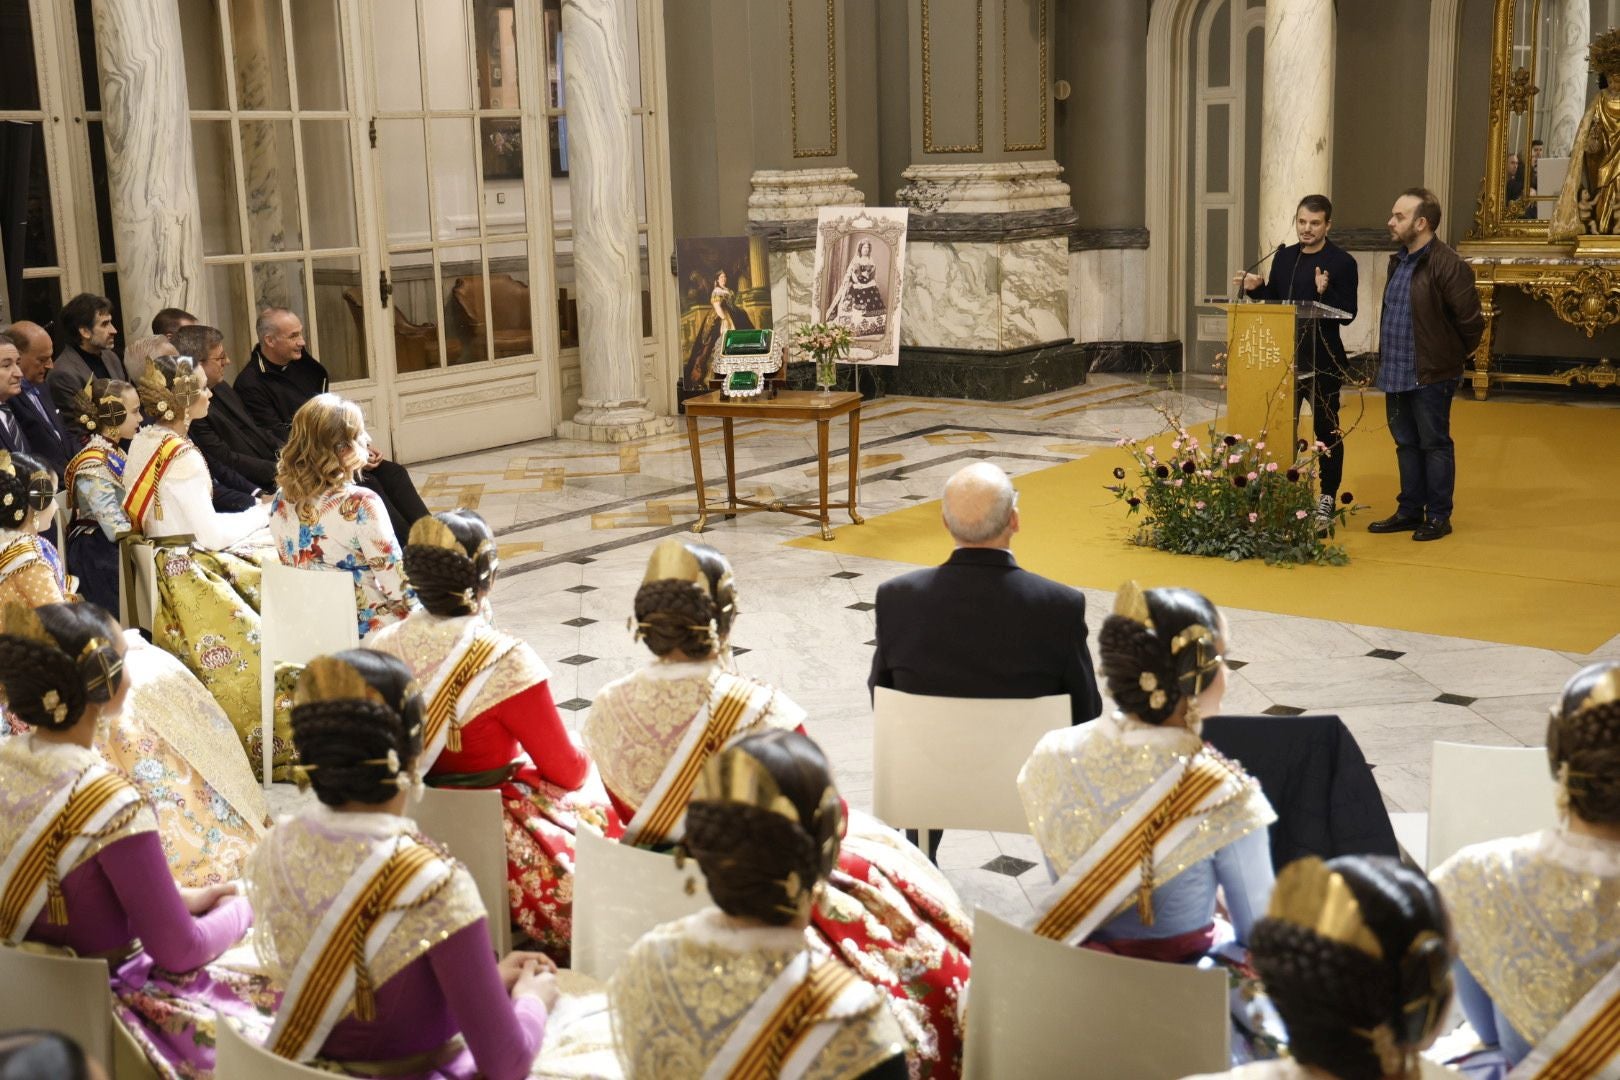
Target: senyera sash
<point>454,686</point>
<point>1585,1044</point>
<point>792,1021</point>
<point>139,496</point>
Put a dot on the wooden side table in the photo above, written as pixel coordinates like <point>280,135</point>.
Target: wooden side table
<point>811,405</point>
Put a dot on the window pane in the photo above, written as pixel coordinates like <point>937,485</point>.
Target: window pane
<point>405,190</point>
<point>228,309</point>
<point>109,289</point>
<point>497,55</point>
<point>646,288</point>
<point>461,272</point>
<point>417,344</point>
<point>259,43</point>
<point>89,69</point>
<point>216,187</point>
<point>449,70</point>
<point>1218,58</point>
<point>505,209</point>
<point>280,284</point>
<point>455,186</point>
<point>205,66</point>
<point>318,54</point>
<point>19,80</point>
<point>338,336</point>
<point>98,181</point>
<point>397,61</point>
<point>40,301</point>
<point>638,153</point>
<point>1218,149</point>
<point>554,67</point>
<point>1216,256</point>
<point>509,301</point>
<point>267,159</point>
<point>329,178</point>
<point>567,295</point>
<point>22,155</point>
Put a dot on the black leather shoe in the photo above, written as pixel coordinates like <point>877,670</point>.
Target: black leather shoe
<point>1432,530</point>
<point>1395,523</point>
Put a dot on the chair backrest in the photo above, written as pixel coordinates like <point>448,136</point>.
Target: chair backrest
<point>63,993</point>
<point>303,614</point>
<point>137,599</point>
<point>239,1059</point>
<point>1038,1007</point>
<point>1479,793</point>
<point>621,892</point>
<point>60,522</point>
<point>927,751</point>
<point>468,822</point>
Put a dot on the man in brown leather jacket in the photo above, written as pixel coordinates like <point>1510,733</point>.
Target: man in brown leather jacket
<point>1430,325</point>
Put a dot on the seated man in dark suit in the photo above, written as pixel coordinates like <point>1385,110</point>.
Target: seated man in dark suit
<point>228,437</point>
<point>86,323</point>
<point>280,376</point>
<point>12,438</point>
<point>52,442</point>
<point>979,626</point>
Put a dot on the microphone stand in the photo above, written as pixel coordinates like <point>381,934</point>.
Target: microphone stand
<point>1238,299</point>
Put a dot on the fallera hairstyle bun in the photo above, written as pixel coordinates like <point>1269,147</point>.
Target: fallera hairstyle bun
<point>99,409</point>
<point>26,485</point>
<point>761,863</point>
<point>687,600</point>
<point>1353,1014</point>
<point>55,660</point>
<point>1162,652</point>
<point>1583,743</point>
<point>168,387</point>
<point>450,560</point>
<point>357,726</point>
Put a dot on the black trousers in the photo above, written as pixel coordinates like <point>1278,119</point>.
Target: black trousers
<point>934,837</point>
<point>390,480</point>
<point>1322,390</point>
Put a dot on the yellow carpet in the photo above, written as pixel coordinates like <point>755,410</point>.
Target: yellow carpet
<point>1533,560</point>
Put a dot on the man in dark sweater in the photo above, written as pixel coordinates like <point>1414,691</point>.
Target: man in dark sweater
<point>1315,269</point>
<point>280,376</point>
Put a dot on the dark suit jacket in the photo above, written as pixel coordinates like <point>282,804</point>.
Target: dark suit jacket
<point>271,395</point>
<point>229,438</point>
<point>21,444</point>
<point>71,373</point>
<point>981,627</point>
<point>43,428</point>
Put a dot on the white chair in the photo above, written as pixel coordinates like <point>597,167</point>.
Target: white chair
<point>60,521</point>
<point>1038,1007</point>
<point>1479,793</point>
<point>470,824</point>
<point>137,599</point>
<point>621,892</point>
<point>238,1059</point>
<point>926,751</point>
<point>302,614</point>
<point>69,995</point>
<point>1412,837</point>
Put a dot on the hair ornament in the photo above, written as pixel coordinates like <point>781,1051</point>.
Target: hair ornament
<point>1196,633</point>
<point>53,704</point>
<point>24,622</point>
<point>672,559</point>
<point>1391,1058</point>
<point>171,397</point>
<point>326,678</point>
<point>1604,691</point>
<point>41,490</point>
<point>431,532</point>
<point>301,775</point>
<point>1309,895</point>
<point>109,665</point>
<point>98,415</point>
<point>1131,603</point>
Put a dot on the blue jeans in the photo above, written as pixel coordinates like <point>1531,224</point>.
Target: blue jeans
<point>1420,421</point>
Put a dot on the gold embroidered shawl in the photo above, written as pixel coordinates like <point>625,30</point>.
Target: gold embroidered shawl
<point>31,772</point>
<point>1537,920</point>
<point>424,641</point>
<point>637,722</point>
<point>671,1015</point>
<point>1081,780</point>
<point>302,866</point>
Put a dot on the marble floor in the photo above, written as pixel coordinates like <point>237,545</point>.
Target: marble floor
<point>576,521</point>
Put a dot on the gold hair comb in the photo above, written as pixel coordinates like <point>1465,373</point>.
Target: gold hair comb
<point>1605,691</point>
<point>1309,895</point>
<point>1131,603</point>
<point>326,678</point>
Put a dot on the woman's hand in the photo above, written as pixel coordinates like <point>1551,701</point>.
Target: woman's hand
<point>514,964</point>
<point>202,901</point>
<point>538,984</point>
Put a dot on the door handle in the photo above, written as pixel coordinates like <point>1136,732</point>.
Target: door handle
<point>385,288</point>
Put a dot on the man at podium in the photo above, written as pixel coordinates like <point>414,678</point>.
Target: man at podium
<point>1315,269</point>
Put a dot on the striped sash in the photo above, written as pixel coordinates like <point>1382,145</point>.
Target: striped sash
<point>790,1024</point>
<point>327,978</point>
<point>735,704</point>
<point>1585,1044</point>
<point>17,554</point>
<point>97,801</point>
<point>140,495</point>
<point>91,457</point>
<point>453,687</point>
<point>1102,879</point>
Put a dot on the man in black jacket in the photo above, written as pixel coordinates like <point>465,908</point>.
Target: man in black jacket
<point>980,626</point>
<point>35,410</point>
<point>86,323</point>
<point>280,376</point>
<point>227,436</point>
<point>1315,269</point>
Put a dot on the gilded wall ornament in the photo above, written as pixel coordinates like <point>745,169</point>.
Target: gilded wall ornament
<point>1520,90</point>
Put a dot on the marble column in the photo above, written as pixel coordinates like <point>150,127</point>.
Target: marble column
<point>151,172</point>
<point>601,185</point>
<point>782,209</point>
<point>1566,78</point>
<point>1296,119</point>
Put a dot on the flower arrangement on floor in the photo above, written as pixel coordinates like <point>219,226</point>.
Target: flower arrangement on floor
<point>1225,498</point>
<point>825,343</point>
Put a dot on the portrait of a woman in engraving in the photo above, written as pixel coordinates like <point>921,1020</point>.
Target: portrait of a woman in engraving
<point>858,278</point>
<point>858,303</point>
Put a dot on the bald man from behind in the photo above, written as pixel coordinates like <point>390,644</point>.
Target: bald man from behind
<point>980,626</point>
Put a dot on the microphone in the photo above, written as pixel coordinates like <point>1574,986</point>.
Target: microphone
<point>1273,253</point>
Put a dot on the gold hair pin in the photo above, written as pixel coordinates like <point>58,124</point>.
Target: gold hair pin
<point>1308,894</point>
<point>326,678</point>
<point>1131,603</point>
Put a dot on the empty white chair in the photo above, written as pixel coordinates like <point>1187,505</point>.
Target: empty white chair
<point>239,1059</point>
<point>1038,1008</point>
<point>137,592</point>
<point>926,751</point>
<point>469,823</point>
<point>70,995</point>
<point>1412,837</point>
<point>621,892</point>
<point>1479,793</point>
<point>302,614</point>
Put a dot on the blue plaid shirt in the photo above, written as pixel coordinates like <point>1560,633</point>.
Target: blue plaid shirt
<point>1397,344</point>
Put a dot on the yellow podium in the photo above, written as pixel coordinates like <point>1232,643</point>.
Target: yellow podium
<point>1260,341</point>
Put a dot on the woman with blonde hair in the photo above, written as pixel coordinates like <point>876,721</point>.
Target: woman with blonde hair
<point>321,516</point>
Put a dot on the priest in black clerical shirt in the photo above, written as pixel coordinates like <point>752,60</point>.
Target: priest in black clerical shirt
<point>1315,269</point>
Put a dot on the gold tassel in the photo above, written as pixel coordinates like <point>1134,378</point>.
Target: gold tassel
<point>365,997</point>
<point>55,902</point>
<point>453,743</point>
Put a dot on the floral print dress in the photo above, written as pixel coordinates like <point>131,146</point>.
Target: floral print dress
<point>348,530</point>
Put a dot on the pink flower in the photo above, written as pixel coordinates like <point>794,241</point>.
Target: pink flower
<point>1301,514</point>
<point>1253,517</point>
<point>1234,459</point>
<point>1176,445</point>
<point>1254,476</point>
<point>1178,481</point>
<point>1259,446</point>
<point>1119,441</point>
<point>1271,466</point>
<point>1199,505</point>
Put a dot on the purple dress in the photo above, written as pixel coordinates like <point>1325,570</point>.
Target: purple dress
<point>116,898</point>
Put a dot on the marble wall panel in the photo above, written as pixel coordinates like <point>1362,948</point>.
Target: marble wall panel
<point>1034,291</point>
<point>791,275</point>
<point>1075,258</point>
<point>953,296</point>
<point>1133,294</point>
<point>1099,286</point>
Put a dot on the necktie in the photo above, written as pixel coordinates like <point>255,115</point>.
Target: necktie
<point>13,433</point>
